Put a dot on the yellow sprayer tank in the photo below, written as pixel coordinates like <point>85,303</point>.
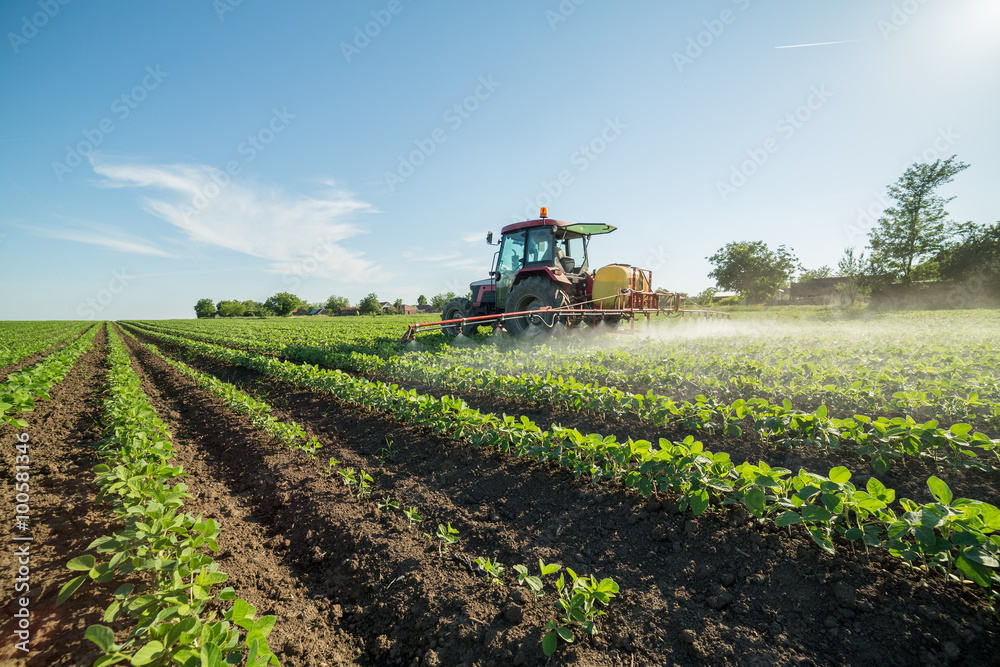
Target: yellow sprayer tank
<point>611,279</point>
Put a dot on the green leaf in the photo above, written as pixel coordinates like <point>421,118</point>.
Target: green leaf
<point>103,636</point>
<point>566,634</point>
<point>69,588</point>
<point>211,656</point>
<point>880,464</point>
<point>699,502</point>
<point>754,500</point>
<point>840,475</point>
<point>82,563</point>
<point>977,555</point>
<point>550,642</point>
<point>816,513</point>
<point>147,653</point>
<point>974,571</point>
<point>940,490</point>
<point>960,429</point>
<point>788,518</point>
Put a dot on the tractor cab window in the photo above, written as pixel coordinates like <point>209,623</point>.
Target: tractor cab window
<point>512,253</point>
<point>540,245</point>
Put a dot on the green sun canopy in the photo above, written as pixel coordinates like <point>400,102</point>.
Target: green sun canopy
<point>590,228</point>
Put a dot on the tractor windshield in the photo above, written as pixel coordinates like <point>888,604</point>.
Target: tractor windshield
<point>540,245</point>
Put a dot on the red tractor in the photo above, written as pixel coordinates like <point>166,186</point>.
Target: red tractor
<point>541,276</point>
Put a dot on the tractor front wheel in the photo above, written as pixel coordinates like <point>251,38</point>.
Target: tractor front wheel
<point>457,309</point>
<point>531,294</point>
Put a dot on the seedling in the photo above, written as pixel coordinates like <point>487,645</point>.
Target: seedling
<point>412,516</point>
<point>535,582</point>
<point>493,569</point>
<point>349,477</point>
<point>578,602</point>
<point>387,504</point>
<point>331,467</point>
<point>364,487</point>
<point>446,535</point>
<point>386,452</point>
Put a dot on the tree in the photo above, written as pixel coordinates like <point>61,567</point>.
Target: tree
<point>974,258</point>
<point>915,228</point>
<point>421,300</point>
<point>441,300</point>
<point>370,305</point>
<point>812,274</point>
<point>335,303</point>
<point>204,308</point>
<point>705,297</point>
<point>253,308</point>
<point>283,303</point>
<point>752,269</point>
<point>231,308</point>
<point>397,303</point>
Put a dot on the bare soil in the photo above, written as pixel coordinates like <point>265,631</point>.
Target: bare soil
<point>352,582</point>
<point>63,519</point>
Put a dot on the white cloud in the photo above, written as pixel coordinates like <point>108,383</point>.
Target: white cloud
<point>296,233</point>
<point>103,235</point>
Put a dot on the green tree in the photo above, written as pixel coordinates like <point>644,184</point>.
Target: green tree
<point>335,303</point>
<point>254,308</point>
<point>397,303</point>
<point>441,300</point>
<point>421,300</point>
<point>974,258</point>
<point>283,303</point>
<point>231,308</point>
<point>705,297</point>
<point>812,274</point>
<point>204,308</point>
<point>915,227</point>
<point>370,305</point>
<point>752,269</point>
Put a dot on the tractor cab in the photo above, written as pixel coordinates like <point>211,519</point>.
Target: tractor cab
<point>548,248</point>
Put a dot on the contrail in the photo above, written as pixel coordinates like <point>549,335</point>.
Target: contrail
<point>795,46</point>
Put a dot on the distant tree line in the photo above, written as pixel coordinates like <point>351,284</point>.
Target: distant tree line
<point>284,304</point>
<point>913,240</point>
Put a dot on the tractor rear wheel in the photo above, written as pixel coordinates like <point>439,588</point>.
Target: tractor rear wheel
<point>531,294</point>
<point>455,309</point>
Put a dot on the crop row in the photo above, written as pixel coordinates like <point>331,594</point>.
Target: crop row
<point>24,344</point>
<point>882,438</point>
<point>162,552</point>
<point>19,392</point>
<point>956,536</point>
<point>873,369</point>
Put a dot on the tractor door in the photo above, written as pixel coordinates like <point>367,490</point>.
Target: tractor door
<point>511,261</point>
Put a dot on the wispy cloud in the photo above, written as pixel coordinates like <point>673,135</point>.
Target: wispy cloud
<point>799,46</point>
<point>101,235</point>
<point>211,208</point>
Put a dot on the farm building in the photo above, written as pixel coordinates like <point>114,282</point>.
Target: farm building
<point>349,311</point>
<point>318,311</point>
<point>407,310</point>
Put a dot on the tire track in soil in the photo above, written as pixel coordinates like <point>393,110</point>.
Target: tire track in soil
<point>64,518</point>
<point>908,478</point>
<point>751,594</point>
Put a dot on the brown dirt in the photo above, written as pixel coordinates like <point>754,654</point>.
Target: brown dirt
<point>64,519</point>
<point>718,589</point>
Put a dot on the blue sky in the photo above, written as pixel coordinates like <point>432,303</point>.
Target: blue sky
<point>156,153</point>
